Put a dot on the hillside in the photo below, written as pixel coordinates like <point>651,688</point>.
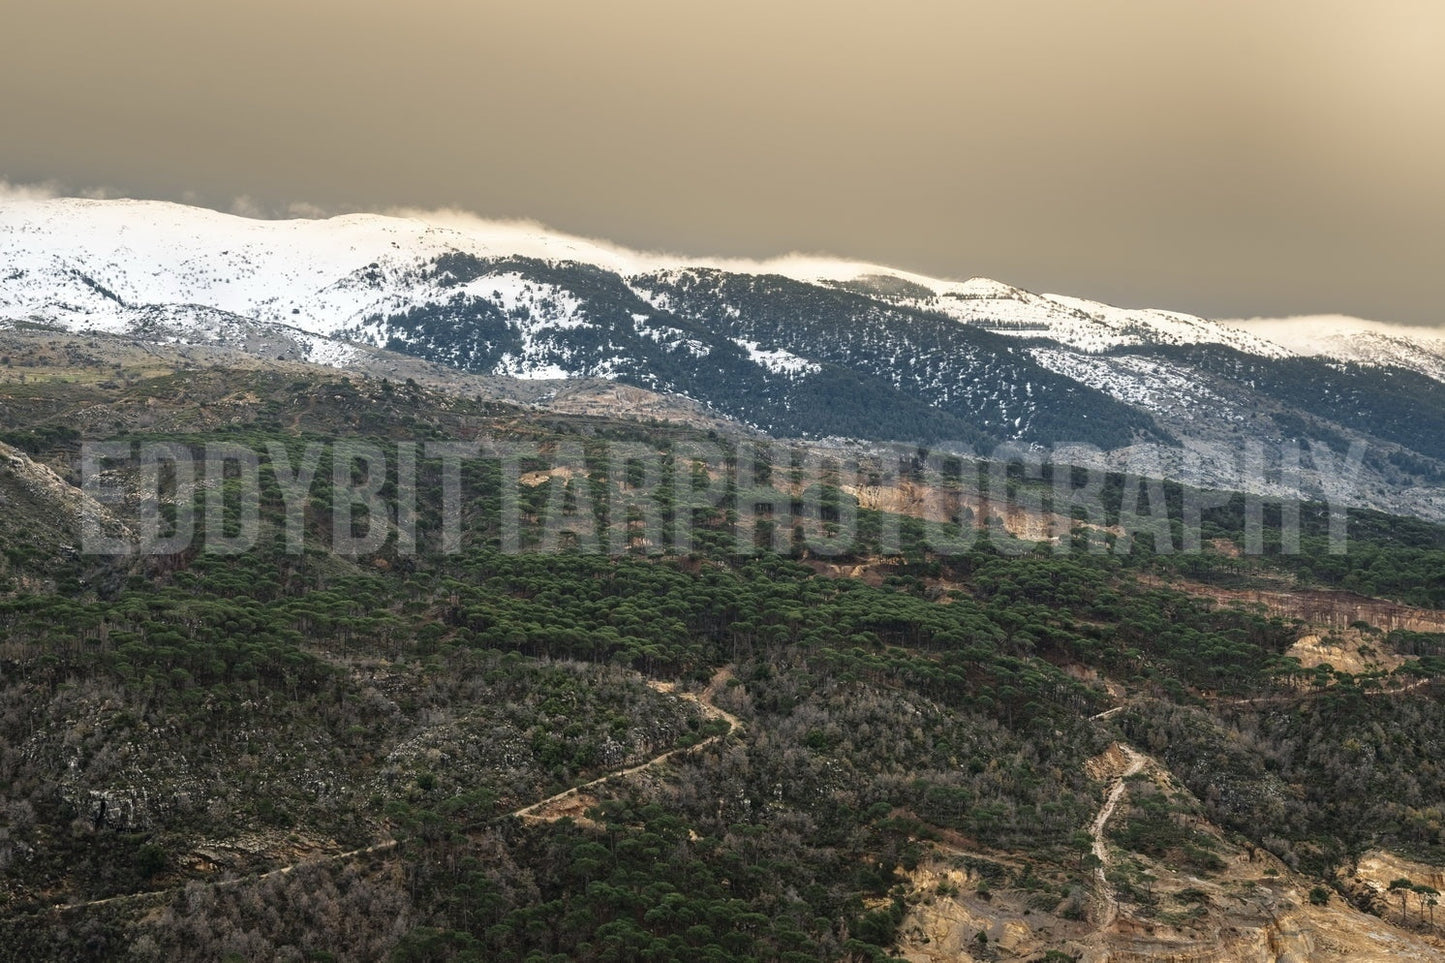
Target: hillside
<point>757,749</point>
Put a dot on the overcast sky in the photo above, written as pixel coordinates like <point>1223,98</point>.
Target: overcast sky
<point>1226,157</point>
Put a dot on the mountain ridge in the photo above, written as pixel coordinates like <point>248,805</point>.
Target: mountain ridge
<point>795,347</point>
<point>119,227</point>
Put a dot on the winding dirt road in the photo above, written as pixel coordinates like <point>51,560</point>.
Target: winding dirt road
<point>704,702</point>
<point>532,810</point>
<point>1101,851</point>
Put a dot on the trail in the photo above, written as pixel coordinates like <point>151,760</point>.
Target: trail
<point>381,847</point>
<point>1286,698</point>
<point>1116,792</point>
<point>532,810</point>
<point>537,809</point>
<point>1136,762</point>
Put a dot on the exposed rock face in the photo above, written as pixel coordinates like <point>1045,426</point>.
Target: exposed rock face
<point>1378,868</point>
<point>1311,651</point>
<point>1369,885</point>
<point>123,810</point>
<point>947,923</point>
<point>70,506</point>
<point>1325,610</point>
<point>967,507</point>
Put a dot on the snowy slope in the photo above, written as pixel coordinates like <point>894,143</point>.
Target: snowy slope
<point>83,262</point>
<point>1345,338</point>
<point>1082,324</point>
<point>515,299</point>
<point>1154,385</point>
<point>89,263</point>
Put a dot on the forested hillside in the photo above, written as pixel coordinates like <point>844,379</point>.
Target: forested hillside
<point>777,755</point>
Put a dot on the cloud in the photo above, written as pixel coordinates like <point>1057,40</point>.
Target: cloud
<point>536,239</point>
<point>243,205</point>
<point>1305,332</point>
<point>50,189</point>
<point>306,210</point>
<point>29,192</point>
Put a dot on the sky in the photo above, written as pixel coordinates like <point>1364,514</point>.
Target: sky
<point>1230,158</point>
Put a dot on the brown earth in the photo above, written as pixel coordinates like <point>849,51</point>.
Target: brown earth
<point>1254,909</point>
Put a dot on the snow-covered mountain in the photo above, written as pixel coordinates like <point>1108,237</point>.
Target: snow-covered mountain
<point>1075,322</point>
<point>1345,338</point>
<point>797,346</point>
<point>92,263</point>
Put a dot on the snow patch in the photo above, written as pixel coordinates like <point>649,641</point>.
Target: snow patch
<point>334,354</point>
<point>777,360</point>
